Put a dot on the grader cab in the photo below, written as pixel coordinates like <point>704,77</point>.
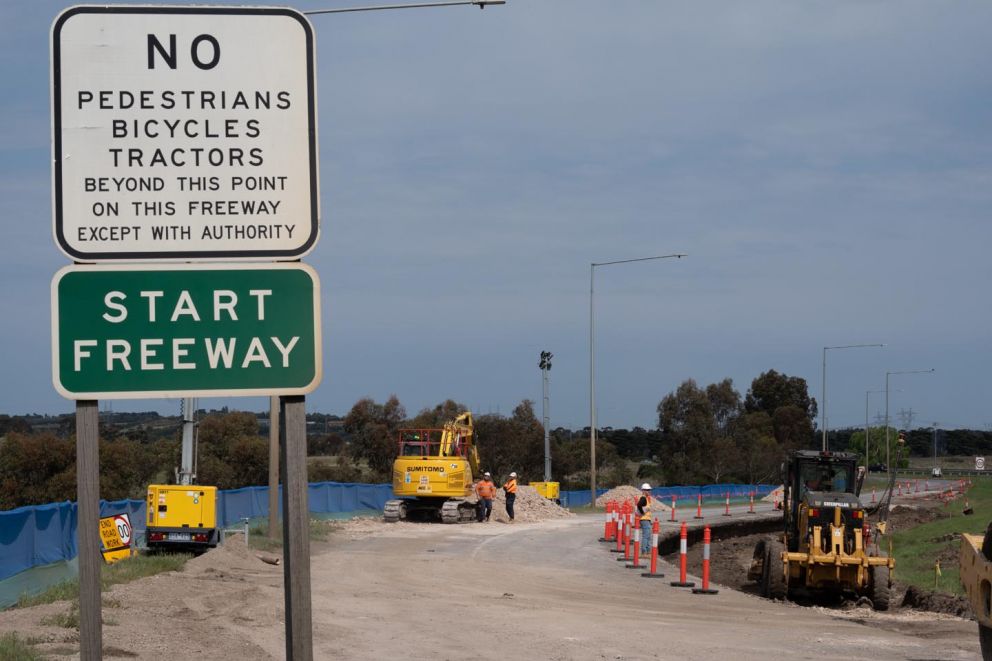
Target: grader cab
<point>827,545</point>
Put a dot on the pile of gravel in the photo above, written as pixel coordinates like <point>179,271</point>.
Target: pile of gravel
<point>626,492</point>
<point>774,495</point>
<point>528,507</point>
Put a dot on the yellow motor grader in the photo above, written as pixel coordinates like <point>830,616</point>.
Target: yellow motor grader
<point>827,545</point>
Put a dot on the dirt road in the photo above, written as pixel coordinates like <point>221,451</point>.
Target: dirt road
<point>483,591</point>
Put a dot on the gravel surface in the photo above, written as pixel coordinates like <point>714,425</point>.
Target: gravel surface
<point>533,590</point>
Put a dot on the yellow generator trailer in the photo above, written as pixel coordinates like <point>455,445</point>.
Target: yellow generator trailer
<point>433,473</point>
<point>826,546</point>
<point>976,577</point>
<point>181,517</point>
<point>550,490</point>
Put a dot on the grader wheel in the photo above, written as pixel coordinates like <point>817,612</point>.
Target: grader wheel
<point>776,586</point>
<point>880,591</point>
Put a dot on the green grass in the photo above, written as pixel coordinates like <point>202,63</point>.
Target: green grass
<point>916,549</point>
<point>67,620</point>
<point>258,534</point>
<point>15,648</point>
<point>121,572</point>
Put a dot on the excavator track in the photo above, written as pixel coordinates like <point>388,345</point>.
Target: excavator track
<point>395,510</point>
<point>457,510</point>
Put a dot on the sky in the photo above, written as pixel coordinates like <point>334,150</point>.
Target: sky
<point>825,166</point>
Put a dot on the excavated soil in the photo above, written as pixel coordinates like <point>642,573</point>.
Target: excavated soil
<point>936,602</point>
<point>627,492</point>
<point>904,517</point>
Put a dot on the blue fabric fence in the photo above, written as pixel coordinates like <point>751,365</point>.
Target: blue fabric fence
<point>43,534</point>
<point>709,492</point>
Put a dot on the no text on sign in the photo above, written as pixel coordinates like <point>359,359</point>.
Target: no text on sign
<point>183,133</point>
<point>171,331</point>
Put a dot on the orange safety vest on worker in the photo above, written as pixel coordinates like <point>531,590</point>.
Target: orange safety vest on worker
<point>644,509</point>
<point>511,485</point>
<point>486,489</point>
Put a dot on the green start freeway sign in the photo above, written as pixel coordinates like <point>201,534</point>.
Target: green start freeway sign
<point>142,331</point>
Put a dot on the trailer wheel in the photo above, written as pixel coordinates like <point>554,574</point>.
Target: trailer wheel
<point>777,586</point>
<point>880,591</point>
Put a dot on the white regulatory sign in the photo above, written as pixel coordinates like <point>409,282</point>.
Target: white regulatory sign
<point>184,133</point>
<point>979,463</point>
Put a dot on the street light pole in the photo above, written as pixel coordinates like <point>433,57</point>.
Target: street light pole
<point>823,391</point>
<point>545,366</point>
<point>888,458</point>
<point>592,359</point>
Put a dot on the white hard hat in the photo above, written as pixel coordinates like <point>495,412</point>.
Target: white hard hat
<point>646,486</point>
<point>486,474</point>
<point>513,474</point>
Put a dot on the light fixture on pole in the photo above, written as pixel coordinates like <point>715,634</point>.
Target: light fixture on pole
<point>481,4</point>
<point>545,366</point>
<point>592,359</point>
<point>888,458</point>
<point>823,392</point>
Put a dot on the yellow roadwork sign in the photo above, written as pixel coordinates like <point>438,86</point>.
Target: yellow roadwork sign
<point>115,535</point>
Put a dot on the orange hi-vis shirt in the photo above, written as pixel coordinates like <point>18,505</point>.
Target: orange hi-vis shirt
<point>485,489</point>
<point>511,485</point>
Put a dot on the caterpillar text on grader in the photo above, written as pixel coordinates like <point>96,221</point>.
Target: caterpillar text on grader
<point>432,475</point>
<point>827,545</point>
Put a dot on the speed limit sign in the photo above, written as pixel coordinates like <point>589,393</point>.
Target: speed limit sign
<point>123,529</point>
<point>979,463</point>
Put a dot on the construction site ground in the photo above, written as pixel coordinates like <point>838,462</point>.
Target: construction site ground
<point>542,590</point>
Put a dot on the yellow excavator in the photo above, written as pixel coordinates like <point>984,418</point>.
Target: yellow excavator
<point>432,475</point>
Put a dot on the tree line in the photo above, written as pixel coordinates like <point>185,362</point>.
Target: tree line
<point>704,434</point>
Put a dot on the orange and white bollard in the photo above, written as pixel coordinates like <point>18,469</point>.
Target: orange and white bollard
<point>916,486</point>
<point>674,497</point>
<point>699,506</point>
<point>683,550</point>
<point>705,589</point>
<point>899,484</point>
<point>653,572</point>
<point>636,564</point>
<point>873,495</point>
<point>726,511</point>
<point>628,523</point>
<point>926,485</point>
<point>619,530</point>
<point>751,510</point>
<point>609,523</point>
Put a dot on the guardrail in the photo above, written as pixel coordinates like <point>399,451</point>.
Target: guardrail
<point>944,473</point>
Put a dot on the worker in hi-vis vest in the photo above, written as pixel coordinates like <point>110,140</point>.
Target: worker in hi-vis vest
<point>486,491</point>
<point>510,490</point>
<point>644,515</point>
